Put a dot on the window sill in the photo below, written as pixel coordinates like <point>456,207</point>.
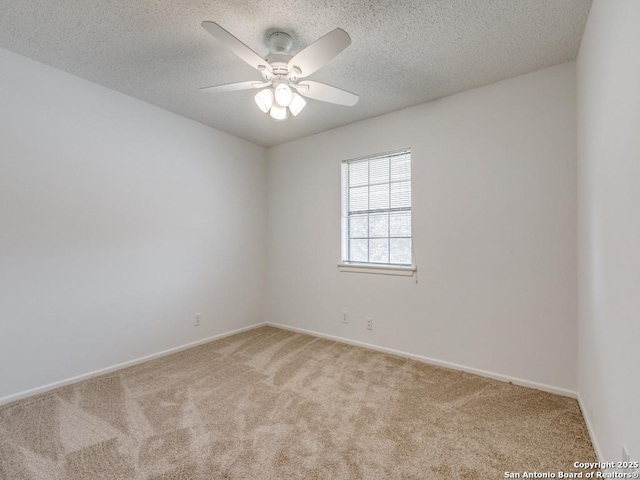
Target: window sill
<point>377,269</point>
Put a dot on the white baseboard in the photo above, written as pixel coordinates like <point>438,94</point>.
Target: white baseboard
<point>432,361</point>
<point>592,433</point>
<point>420,358</point>
<point>102,371</point>
<point>504,378</point>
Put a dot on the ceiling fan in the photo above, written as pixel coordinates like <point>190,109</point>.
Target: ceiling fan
<point>282,89</point>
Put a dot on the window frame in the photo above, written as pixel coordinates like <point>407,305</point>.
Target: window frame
<point>372,267</point>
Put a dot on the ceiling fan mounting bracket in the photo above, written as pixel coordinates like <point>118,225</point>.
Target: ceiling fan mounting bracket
<point>280,42</point>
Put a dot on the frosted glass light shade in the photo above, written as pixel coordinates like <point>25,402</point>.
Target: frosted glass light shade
<point>297,104</point>
<point>264,99</point>
<point>283,94</point>
<point>278,112</point>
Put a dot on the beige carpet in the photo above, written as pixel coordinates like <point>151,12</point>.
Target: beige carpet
<point>273,404</point>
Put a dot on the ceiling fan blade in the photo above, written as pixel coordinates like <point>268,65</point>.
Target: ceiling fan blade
<point>232,87</point>
<point>320,52</point>
<point>326,93</point>
<point>236,46</point>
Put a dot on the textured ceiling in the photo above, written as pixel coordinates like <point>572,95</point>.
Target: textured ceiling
<point>403,52</point>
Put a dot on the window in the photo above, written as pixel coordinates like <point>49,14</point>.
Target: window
<point>376,211</point>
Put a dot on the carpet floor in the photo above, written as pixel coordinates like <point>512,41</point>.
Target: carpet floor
<point>274,404</point>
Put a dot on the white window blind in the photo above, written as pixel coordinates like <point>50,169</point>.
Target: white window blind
<point>376,210</point>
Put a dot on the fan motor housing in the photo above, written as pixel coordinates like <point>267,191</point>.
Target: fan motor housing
<point>279,63</point>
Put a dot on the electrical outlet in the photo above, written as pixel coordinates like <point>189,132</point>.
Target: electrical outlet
<point>369,323</point>
<point>196,321</point>
<point>345,316</point>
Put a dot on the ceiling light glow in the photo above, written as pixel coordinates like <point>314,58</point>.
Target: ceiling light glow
<point>297,104</point>
<point>278,112</point>
<point>283,94</point>
<point>273,100</point>
<point>264,99</point>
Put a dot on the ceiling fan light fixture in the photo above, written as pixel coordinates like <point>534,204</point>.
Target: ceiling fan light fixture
<point>297,104</point>
<point>264,99</point>
<point>283,94</point>
<point>280,92</point>
<point>278,112</point>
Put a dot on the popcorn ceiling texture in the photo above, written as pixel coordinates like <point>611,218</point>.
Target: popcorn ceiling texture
<point>403,52</point>
<point>273,404</point>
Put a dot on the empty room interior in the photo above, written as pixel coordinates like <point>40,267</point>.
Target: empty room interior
<point>319,239</point>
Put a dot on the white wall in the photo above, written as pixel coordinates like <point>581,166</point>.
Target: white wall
<point>494,225</point>
<point>608,75</point>
<point>115,230</point>
<point>118,222</point>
